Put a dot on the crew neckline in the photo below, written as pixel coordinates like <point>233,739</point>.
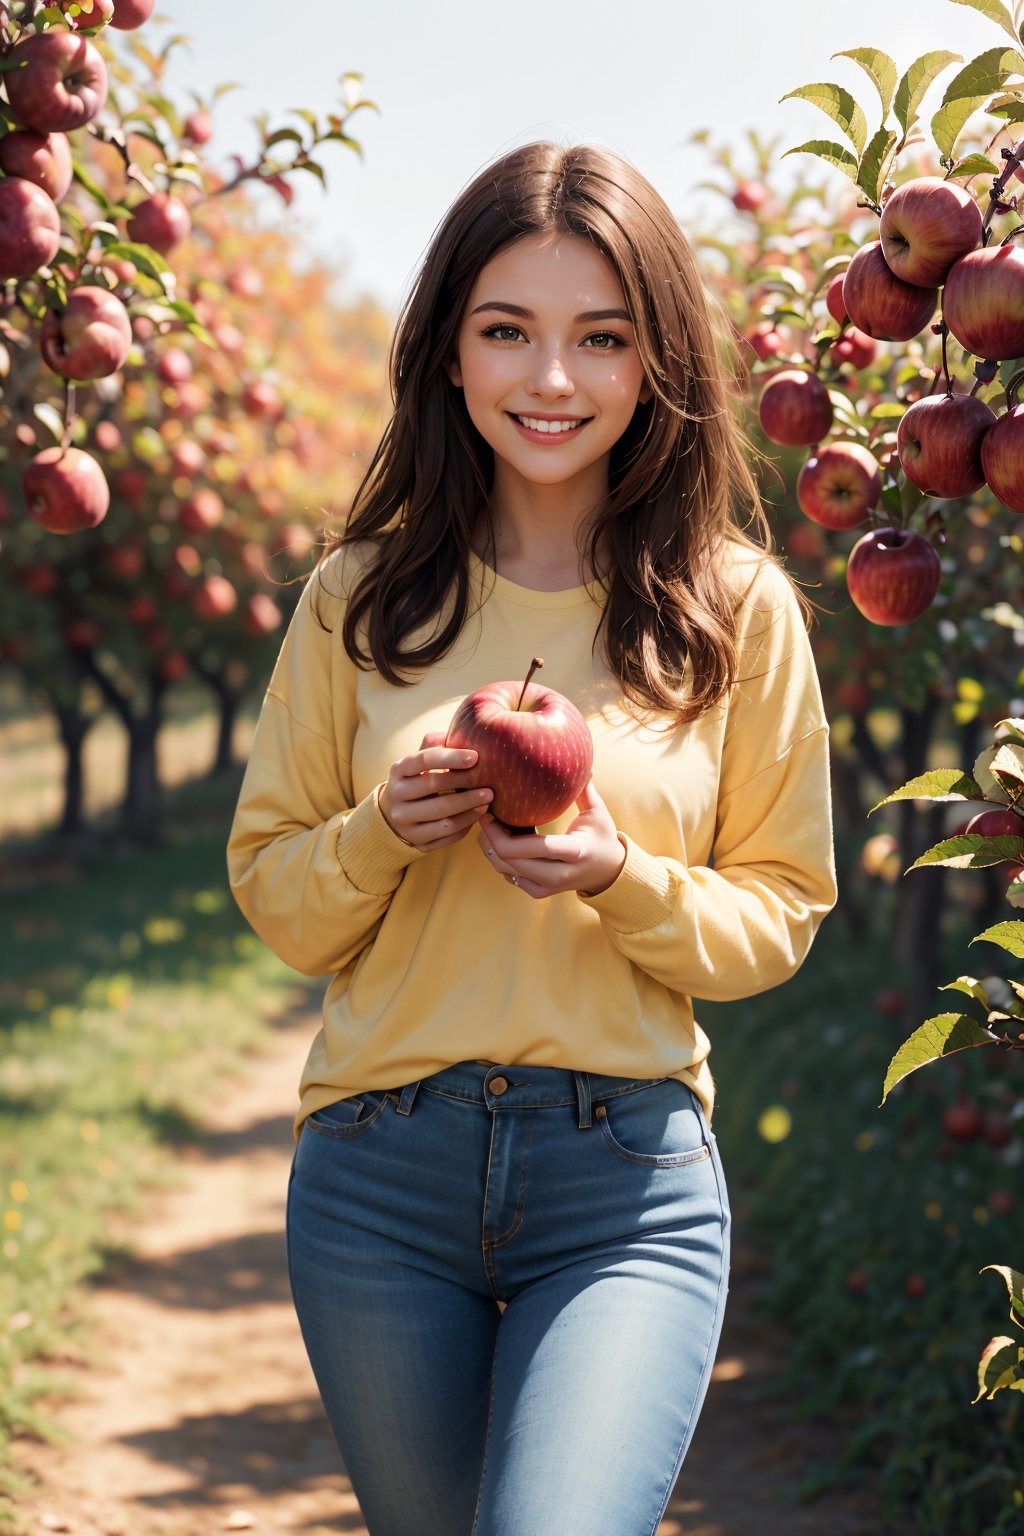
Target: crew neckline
<point>532,597</point>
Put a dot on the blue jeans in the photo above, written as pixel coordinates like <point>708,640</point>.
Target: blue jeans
<point>595,1209</point>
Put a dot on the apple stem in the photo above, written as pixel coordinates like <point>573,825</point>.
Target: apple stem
<point>1013,157</point>
<point>538,661</point>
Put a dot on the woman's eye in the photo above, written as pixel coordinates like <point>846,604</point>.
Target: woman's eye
<point>503,332</point>
<point>604,341</point>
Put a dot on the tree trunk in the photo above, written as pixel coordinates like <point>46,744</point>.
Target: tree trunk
<point>74,727</point>
<point>228,702</point>
<point>140,810</point>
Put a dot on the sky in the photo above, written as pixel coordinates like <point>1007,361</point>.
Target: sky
<point>459,82</point>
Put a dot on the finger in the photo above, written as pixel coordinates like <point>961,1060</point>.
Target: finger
<point>436,834</point>
<point>433,739</point>
<point>491,855</point>
<point>588,798</point>
<point>434,757</point>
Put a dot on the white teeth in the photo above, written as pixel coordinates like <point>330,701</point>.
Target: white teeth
<point>536,424</point>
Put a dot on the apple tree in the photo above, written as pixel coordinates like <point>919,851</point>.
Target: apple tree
<point>130,343</point>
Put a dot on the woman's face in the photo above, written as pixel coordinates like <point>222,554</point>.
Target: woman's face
<point>548,363</point>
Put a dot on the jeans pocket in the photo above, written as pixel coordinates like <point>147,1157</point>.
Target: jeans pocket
<point>658,1127</point>
<point>346,1118</point>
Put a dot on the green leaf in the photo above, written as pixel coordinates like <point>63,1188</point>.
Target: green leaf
<point>881,70</point>
<point>93,188</point>
<point>1015,1285</point>
<point>990,786</point>
<point>911,89</point>
<point>51,418</point>
<point>984,75</point>
<point>939,784</point>
<point>994,10</point>
<point>1016,725</point>
<point>886,410</point>
<point>313,169</point>
<point>833,154</point>
<point>1001,1365</point>
<point>837,104</point>
<point>1010,107</point>
<point>875,162</point>
<point>145,258</point>
<point>971,850</point>
<point>1008,935</point>
<point>1007,768</point>
<point>283,133</point>
<point>975,165</point>
<point>971,987</point>
<point>949,121</point>
<point>307,116</point>
<point>943,1035</point>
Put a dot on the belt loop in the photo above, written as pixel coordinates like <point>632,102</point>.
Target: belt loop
<point>407,1098</point>
<point>583,1098</point>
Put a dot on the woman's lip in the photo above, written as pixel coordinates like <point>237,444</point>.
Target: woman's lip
<point>533,435</point>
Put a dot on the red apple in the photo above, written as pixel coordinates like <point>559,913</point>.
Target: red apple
<point>839,486</point>
<point>175,366</point>
<point>855,348</point>
<point>260,398</point>
<point>124,560</point>
<point>983,302</point>
<point>915,1286</point>
<point>107,436</point>
<point>245,281</point>
<point>749,196</point>
<point>131,484</point>
<point>159,221</point>
<point>766,340</point>
<point>173,667</point>
<point>962,1121</point>
<point>201,511</point>
<point>795,409</point>
<point>89,338</point>
<point>141,608</point>
<point>881,304</point>
<point>129,14</point>
<point>925,227</point>
<point>214,597</point>
<point>262,615</point>
<point>39,579</point>
<point>187,459</point>
<point>834,300</point>
<point>29,228</point>
<point>939,443</point>
<point>534,749</point>
<point>1002,459</point>
<point>187,559</point>
<point>84,15</point>
<point>61,83</point>
<point>44,158</point>
<point>65,490</point>
<point>996,824</point>
<point>82,634</point>
<point>199,127</point>
<point>892,575</point>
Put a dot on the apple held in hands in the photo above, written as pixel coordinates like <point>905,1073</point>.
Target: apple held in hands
<point>534,749</point>
<point>939,442</point>
<point>893,575</point>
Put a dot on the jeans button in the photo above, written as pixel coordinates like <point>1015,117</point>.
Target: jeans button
<point>498,1085</point>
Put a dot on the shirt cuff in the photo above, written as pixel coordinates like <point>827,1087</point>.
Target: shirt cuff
<point>641,896</point>
<point>370,852</point>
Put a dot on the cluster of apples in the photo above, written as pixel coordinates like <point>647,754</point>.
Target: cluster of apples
<point>948,445</point>
<point>56,82</point>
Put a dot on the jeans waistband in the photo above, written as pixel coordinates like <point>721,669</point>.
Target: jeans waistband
<point>499,1087</point>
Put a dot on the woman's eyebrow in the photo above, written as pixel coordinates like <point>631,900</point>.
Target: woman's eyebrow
<point>586,316</point>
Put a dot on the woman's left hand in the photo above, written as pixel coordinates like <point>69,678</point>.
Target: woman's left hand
<point>586,857</point>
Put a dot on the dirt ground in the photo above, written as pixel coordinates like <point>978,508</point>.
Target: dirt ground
<point>198,1413</point>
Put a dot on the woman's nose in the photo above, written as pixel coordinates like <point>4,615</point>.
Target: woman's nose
<point>551,375</point>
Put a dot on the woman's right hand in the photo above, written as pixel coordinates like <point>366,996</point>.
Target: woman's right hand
<point>425,800</point>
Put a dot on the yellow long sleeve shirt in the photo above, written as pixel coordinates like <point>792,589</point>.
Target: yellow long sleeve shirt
<point>727,825</point>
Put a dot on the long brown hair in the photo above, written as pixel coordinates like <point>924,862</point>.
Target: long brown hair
<point>680,484</point>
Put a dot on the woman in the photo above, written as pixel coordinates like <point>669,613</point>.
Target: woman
<point>508,1224</point>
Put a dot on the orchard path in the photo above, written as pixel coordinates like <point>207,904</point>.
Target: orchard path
<point>198,1413</point>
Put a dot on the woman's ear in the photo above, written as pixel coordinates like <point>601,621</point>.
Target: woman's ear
<point>455,373</point>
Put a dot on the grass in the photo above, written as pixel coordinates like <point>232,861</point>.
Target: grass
<point>133,989</point>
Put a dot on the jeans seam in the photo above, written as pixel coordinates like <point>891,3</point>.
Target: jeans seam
<point>520,1210</point>
<point>487,1432</point>
<point>713,1337</point>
